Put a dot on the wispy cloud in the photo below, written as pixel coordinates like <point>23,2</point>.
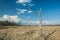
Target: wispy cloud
<point>24,4</point>
<point>23,11</point>
<point>31,4</point>
<point>28,4</point>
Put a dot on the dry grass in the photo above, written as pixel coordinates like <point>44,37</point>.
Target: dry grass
<point>29,33</point>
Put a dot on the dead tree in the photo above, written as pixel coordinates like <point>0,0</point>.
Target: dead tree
<point>46,37</point>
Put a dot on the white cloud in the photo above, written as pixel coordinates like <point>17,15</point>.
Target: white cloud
<point>31,4</point>
<point>23,1</point>
<point>30,22</point>
<point>23,11</point>
<point>28,4</point>
<point>45,22</point>
<point>29,11</point>
<point>51,22</point>
<point>4,18</point>
<point>24,4</point>
<point>14,18</point>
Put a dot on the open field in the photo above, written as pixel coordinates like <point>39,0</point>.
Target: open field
<point>29,33</point>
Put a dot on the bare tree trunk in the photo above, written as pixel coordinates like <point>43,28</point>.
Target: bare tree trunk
<point>46,37</point>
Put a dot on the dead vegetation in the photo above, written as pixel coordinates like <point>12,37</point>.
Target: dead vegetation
<point>30,33</point>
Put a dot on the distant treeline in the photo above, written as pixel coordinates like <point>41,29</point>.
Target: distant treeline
<point>7,23</point>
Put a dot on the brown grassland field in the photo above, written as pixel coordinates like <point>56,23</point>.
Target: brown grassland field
<point>29,33</point>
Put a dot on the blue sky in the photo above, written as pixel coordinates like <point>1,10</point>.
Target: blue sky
<point>18,9</point>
